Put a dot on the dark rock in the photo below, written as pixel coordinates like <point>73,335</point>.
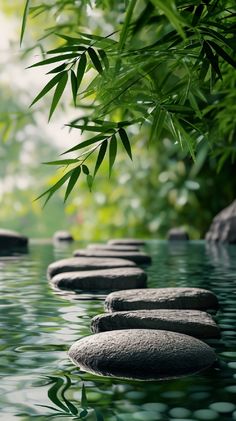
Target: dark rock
<point>177,234</point>
<point>63,236</point>
<point>75,264</point>
<point>112,247</point>
<point>126,241</point>
<point>141,354</point>
<point>104,279</point>
<point>191,322</point>
<point>223,227</point>
<point>11,239</point>
<point>137,257</point>
<point>161,298</point>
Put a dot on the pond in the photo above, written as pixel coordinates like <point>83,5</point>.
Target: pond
<point>38,325</point>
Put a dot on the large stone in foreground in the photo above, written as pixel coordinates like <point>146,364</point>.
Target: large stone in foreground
<point>141,354</point>
<point>127,241</point>
<point>137,257</point>
<point>191,322</point>
<point>223,227</point>
<point>161,298</point>
<point>75,264</point>
<point>12,239</point>
<point>111,247</point>
<point>104,279</point>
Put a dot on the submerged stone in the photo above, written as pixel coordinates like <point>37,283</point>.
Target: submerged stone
<point>127,241</point>
<point>63,236</point>
<point>191,322</point>
<point>75,264</point>
<point>12,239</point>
<point>137,257</point>
<point>111,247</point>
<point>161,298</point>
<point>104,279</point>
<point>141,354</point>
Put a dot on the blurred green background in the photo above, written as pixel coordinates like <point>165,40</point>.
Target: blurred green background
<point>162,188</point>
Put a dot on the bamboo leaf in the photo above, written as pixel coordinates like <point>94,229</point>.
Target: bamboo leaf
<point>24,20</point>
<point>53,60</point>
<point>67,48</point>
<point>101,155</point>
<point>198,13</point>
<point>84,400</point>
<point>158,123</point>
<point>73,40</point>
<point>112,152</point>
<point>57,69</point>
<point>169,9</point>
<point>47,88</point>
<point>84,144</point>
<point>90,181</point>
<point>222,53</point>
<point>72,181</point>
<point>95,60</point>
<point>212,59</point>
<point>53,394</point>
<point>104,58</point>
<point>85,169</point>
<point>125,141</point>
<point>85,127</point>
<point>81,69</point>
<point>72,408</point>
<point>62,162</point>
<point>74,86</point>
<point>58,93</point>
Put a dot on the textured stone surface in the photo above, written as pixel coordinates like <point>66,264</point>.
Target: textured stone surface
<point>127,241</point>
<point>141,354</point>
<point>137,257</point>
<point>98,246</point>
<point>62,236</point>
<point>191,322</point>
<point>161,298</point>
<point>104,279</point>
<point>11,239</point>
<point>177,234</point>
<point>223,227</point>
<point>75,264</point>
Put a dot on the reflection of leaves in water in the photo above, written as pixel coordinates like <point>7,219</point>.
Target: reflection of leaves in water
<point>56,394</point>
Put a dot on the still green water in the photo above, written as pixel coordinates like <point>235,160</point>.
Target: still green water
<point>38,325</point>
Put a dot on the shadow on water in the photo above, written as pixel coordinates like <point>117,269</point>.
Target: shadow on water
<point>37,327</point>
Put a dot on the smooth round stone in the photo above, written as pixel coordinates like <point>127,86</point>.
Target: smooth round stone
<point>11,239</point>
<point>191,322</point>
<point>177,234</point>
<point>85,263</point>
<point>141,354</point>
<point>137,257</point>
<point>63,236</point>
<point>98,246</point>
<point>205,414</point>
<point>104,279</point>
<point>223,407</point>
<point>161,298</point>
<point>127,241</point>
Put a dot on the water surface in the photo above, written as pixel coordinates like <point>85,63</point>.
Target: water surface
<point>38,325</point>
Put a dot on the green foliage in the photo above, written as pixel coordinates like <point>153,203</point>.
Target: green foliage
<point>161,70</point>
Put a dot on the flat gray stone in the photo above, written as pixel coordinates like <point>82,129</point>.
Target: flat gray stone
<point>137,257</point>
<point>126,241</point>
<point>111,247</point>
<point>75,264</point>
<point>104,279</point>
<point>12,239</point>
<point>161,298</point>
<point>191,322</point>
<point>63,236</point>
<point>143,354</point>
<point>223,227</point>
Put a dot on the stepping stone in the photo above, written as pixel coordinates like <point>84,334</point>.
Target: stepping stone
<point>161,298</point>
<point>111,247</point>
<point>137,257</point>
<point>191,322</point>
<point>11,239</point>
<point>177,234</point>
<point>104,279</point>
<point>141,354</point>
<point>63,236</point>
<point>127,241</point>
<point>75,264</point>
